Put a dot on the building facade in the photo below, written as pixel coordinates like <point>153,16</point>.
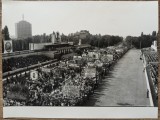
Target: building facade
<point>23,29</point>
<point>56,38</point>
<point>82,34</point>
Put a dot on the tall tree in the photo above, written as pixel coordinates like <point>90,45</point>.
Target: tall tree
<point>141,34</point>
<point>2,41</point>
<point>154,33</point>
<point>6,33</point>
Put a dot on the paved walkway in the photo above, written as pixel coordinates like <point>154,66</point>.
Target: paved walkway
<point>124,86</point>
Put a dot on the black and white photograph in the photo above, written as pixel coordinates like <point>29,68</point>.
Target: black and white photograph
<point>80,54</point>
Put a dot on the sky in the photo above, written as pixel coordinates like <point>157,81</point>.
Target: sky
<point>99,17</point>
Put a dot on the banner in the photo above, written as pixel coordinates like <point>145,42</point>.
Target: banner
<point>104,59</point>
<point>93,55</point>
<point>90,54</point>
<point>110,57</point>
<point>90,72</point>
<point>90,64</point>
<point>77,57</point>
<point>48,70</point>
<point>96,55</point>
<point>34,75</point>
<point>71,91</point>
<point>119,50</point>
<point>98,63</point>
<point>72,63</point>
<point>8,48</point>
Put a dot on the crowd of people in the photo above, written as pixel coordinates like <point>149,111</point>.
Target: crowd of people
<point>49,90</point>
<point>151,58</point>
<point>20,62</point>
<point>61,86</point>
<point>44,92</point>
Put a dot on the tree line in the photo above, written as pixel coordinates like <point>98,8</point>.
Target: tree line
<point>94,40</point>
<point>141,41</point>
<point>97,40</point>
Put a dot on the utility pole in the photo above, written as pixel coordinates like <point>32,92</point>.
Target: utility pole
<point>140,44</point>
<point>98,43</point>
<point>108,42</point>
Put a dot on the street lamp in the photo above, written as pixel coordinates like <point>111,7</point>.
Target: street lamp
<point>140,43</point>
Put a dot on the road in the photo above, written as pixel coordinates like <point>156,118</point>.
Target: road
<point>125,85</point>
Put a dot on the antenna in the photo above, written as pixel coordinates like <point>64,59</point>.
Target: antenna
<point>23,17</point>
